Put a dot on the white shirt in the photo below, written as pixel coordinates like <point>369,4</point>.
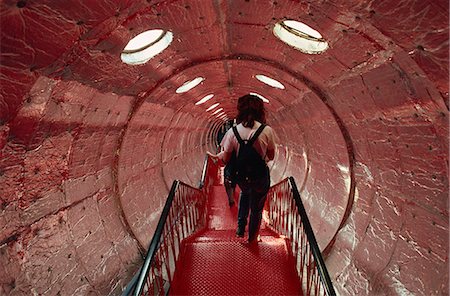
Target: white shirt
<point>264,142</point>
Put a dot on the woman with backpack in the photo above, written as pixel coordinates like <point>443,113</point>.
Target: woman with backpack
<point>253,142</point>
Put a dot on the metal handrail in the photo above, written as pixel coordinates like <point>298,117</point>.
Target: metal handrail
<point>310,264</point>
<point>288,217</point>
<point>129,289</point>
<point>136,286</point>
<point>204,171</point>
<point>322,268</point>
<point>154,244</point>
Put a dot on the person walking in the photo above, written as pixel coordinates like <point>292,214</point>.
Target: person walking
<point>253,143</point>
<point>229,172</point>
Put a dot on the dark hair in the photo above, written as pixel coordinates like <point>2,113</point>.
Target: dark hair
<point>250,108</point>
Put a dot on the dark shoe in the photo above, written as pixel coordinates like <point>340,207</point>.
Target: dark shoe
<point>254,239</point>
<point>240,231</point>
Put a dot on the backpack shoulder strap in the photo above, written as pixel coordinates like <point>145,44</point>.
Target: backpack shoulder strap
<point>238,137</point>
<point>256,134</point>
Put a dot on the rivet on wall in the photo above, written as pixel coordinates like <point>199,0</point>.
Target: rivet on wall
<point>21,4</point>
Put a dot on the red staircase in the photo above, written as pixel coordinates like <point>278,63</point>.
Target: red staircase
<point>215,262</point>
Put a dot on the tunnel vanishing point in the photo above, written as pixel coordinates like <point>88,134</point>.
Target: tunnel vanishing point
<point>95,124</point>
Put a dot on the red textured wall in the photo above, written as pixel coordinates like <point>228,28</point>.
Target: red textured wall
<point>89,145</point>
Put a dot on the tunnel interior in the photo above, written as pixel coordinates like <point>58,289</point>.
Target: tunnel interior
<point>91,139</point>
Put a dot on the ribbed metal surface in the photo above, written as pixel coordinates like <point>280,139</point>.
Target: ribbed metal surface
<point>218,263</point>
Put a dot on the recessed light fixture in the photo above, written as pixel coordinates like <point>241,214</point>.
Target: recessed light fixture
<point>213,106</point>
<point>188,85</point>
<point>217,111</point>
<point>269,81</point>
<point>145,46</point>
<point>206,98</point>
<point>300,36</point>
<point>220,114</point>
<point>261,97</point>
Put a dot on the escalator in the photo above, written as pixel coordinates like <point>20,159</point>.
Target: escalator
<point>195,251</point>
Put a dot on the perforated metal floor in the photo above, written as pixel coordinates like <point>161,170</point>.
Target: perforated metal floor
<point>217,263</point>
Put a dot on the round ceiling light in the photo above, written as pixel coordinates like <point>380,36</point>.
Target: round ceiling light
<point>269,81</point>
<point>261,97</point>
<point>206,98</point>
<point>145,46</point>
<point>300,36</point>
<point>188,85</point>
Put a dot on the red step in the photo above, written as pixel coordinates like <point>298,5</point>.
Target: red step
<point>215,262</point>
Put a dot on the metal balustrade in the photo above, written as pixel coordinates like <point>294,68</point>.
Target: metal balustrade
<point>287,216</point>
<point>184,213</point>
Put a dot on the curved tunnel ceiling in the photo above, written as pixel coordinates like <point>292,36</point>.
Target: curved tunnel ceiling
<point>90,145</point>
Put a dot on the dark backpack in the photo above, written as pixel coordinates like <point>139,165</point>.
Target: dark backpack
<point>250,166</point>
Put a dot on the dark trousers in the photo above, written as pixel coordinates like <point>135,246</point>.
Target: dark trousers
<point>230,188</point>
<point>252,198</point>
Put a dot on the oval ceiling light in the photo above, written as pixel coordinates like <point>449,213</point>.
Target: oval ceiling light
<point>269,81</point>
<point>217,111</point>
<point>145,46</point>
<point>300,36</point>
<point>206,98</point>
<point>213,106</point>
<point>188,85</point>
<point>261,97</point>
